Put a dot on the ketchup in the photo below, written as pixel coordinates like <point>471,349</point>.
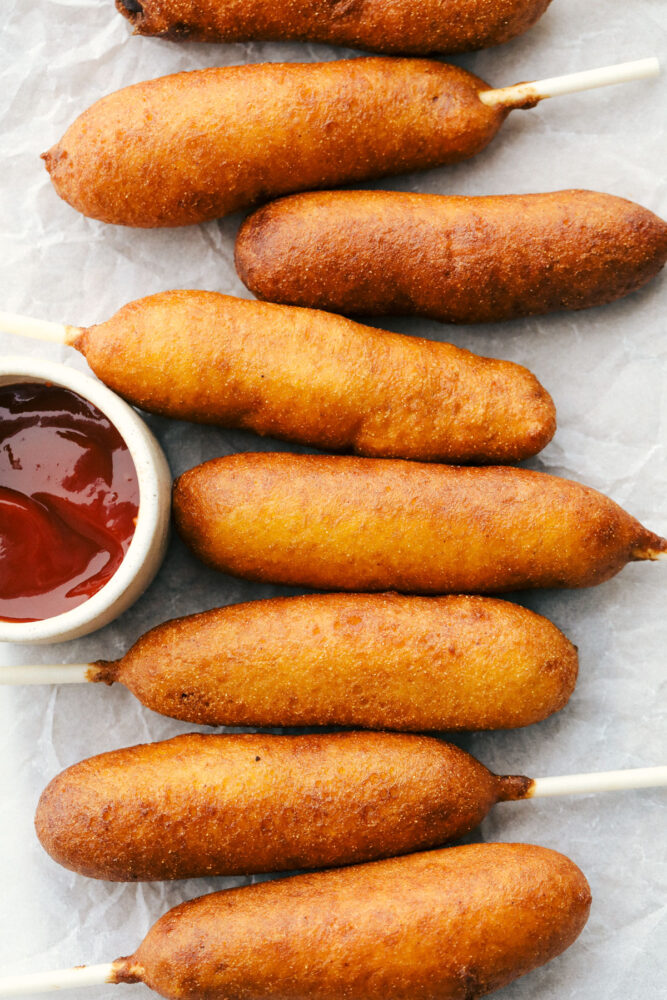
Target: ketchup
<point>69,499</point>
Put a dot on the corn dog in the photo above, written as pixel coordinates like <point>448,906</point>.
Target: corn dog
<point>373,932</point>
<point>316,379</point>
<point>376,661</point>
<point>368,524</point>
<point>445,925</point>
<point>241,804</point>
<point>458,260</point>
<point>194,146</point>
<point>444,26</point>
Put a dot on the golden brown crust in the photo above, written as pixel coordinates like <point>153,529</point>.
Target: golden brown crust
<point>317,379</point>
<point>194,146</point>
<point>369,524</point>
<point>239,804</point>
<point>445,925</point>
<point>391,26</point>
<point>379,661</point>
<point>458,260</point>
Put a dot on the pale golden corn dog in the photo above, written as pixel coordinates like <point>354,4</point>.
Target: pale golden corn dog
<point>378,661</point>
<point>368,524</point>
<point>317,379</point>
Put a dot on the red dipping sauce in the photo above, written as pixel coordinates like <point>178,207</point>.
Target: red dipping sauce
<point>69,499</point>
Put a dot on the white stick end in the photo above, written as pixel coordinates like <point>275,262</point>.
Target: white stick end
<point>38,329</point>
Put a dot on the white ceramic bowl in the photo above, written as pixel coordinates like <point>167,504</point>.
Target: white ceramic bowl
<point>147,548</point>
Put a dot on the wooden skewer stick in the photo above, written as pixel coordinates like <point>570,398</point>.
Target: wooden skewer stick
<point>599,781</point>
<point>62,979</point>
<point>38,329</point>
<point>71,673</point>
<point>526,95</point>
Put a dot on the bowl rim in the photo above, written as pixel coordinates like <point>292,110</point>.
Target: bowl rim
<point>152,471</point>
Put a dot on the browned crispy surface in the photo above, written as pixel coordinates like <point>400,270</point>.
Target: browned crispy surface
<point>445,925</point>
<point>394,26</point>
<point>458,260</point>
<point>193,146</point>
<point>380,661</point>
<point>238,804</point>
<point>318,379</point>
<point>369,524</point>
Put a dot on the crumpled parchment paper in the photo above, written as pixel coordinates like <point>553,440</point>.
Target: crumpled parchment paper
<point>606,368</point>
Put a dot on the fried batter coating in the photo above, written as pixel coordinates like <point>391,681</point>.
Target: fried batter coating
<point>444,925</point>
<point>457,260</point>
<point>378,661</point>
<point>194,146</point>
<point>391,26</point>
<point>241,804</point>
<point>317,379</point>
<point>338,523</point>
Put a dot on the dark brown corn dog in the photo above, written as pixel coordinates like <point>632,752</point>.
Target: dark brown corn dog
<point>379,661</point>
<point>369,524</point>
<point>317,379</point>
<point>194,146</point>
<point>458,260</point>
<point>444,925</point>
<point>392,26</point>
<point>240,804</point>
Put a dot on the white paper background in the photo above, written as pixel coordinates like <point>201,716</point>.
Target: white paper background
<point>607,370</point>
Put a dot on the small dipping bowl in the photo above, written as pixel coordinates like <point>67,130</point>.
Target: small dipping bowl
<point>149,541</point>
